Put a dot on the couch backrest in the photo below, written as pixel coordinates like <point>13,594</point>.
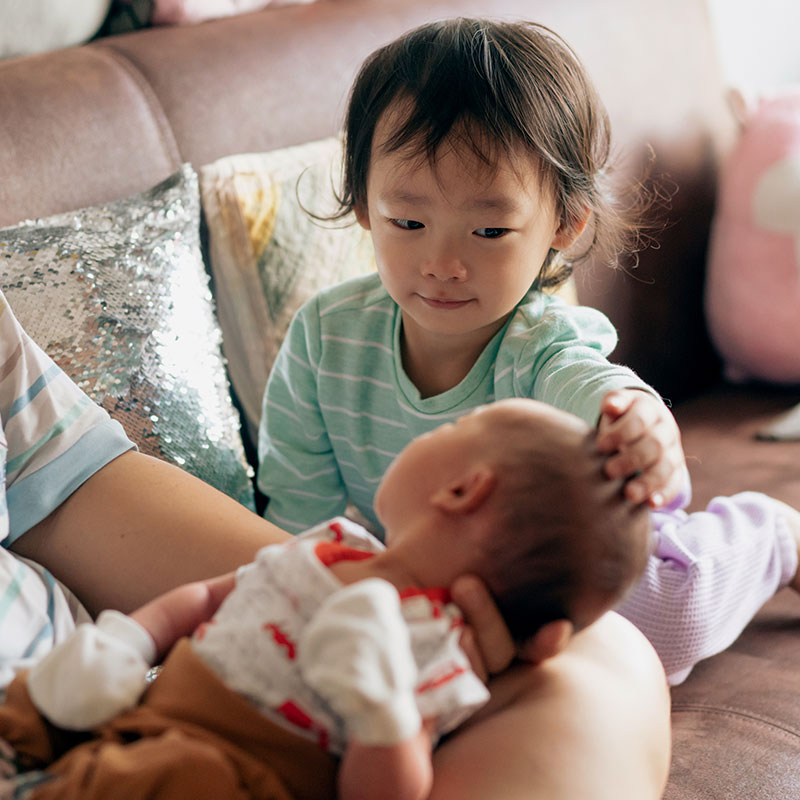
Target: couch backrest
<point>98,122</point>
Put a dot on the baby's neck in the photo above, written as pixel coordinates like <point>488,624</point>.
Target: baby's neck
<point>381,565</point>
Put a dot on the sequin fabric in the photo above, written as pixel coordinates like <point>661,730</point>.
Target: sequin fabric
<point>118,296</point>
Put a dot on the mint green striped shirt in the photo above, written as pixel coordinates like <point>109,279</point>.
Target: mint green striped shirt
<point>339,407</point>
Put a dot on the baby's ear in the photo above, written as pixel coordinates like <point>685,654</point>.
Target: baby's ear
<point>467,493</point>
<point>548,641</point>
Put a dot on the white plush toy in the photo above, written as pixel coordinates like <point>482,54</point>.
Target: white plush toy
<point>33,26</point>
<point>753,283</point>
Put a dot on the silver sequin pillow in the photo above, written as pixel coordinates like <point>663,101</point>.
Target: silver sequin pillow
<point>118,296</point>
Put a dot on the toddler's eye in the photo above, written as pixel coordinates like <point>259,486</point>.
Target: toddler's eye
<point>491,233</point>
<point>407,224</point>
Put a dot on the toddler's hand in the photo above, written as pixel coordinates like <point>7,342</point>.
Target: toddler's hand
<point>643,439</point>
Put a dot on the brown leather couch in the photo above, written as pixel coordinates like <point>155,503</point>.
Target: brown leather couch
<point>99,122</point>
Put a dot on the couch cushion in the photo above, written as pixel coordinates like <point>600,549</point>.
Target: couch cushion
<point>724,456</point>
<point>736,720</point>
<point>269,255</point>
<point>118,296</point>
<point>85,127</point>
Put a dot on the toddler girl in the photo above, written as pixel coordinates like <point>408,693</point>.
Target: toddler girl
<point>476,154</point>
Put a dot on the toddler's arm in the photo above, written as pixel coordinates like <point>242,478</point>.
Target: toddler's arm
<point>644,441</point>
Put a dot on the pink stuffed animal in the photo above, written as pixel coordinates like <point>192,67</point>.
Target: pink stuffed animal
<point>753,284</point>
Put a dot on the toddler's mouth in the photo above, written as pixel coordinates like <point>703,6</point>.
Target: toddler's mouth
<point>444,303</point>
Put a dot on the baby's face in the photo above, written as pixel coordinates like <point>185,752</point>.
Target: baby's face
<point>424,465</point>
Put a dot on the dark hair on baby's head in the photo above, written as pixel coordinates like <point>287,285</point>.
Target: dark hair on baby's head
<point>498,88</point>
<point>566,543</point>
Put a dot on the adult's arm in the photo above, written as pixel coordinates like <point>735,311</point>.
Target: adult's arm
<point>139,527</point>
<point>591,722</point>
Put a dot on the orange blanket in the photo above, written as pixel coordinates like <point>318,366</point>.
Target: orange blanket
<point>191,738</point>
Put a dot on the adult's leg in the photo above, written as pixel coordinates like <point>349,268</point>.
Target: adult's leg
<point>591,723</point>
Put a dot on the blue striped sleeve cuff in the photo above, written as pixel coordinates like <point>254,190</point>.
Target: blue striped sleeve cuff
<point>33,498</point>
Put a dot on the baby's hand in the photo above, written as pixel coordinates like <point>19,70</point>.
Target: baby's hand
<point>645,445</point>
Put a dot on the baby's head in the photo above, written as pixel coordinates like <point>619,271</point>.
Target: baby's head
<point>567,543</point>
<point>516,494</point>
<point>489,89</point>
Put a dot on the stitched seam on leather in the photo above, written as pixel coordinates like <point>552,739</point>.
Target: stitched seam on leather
<point>148,95</point>
<point>727,711</point>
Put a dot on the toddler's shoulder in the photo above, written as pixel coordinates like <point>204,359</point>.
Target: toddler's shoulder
<point>542,320</point>
<point>539,309</point>
<point>541,328</point>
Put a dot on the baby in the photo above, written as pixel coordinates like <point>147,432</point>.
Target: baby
<point>334,645</point>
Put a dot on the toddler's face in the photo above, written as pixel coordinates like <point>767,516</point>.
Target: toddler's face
<point>457,245</point>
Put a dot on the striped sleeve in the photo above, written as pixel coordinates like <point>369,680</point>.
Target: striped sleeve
<point>56,437</point>
<point>559,354</point>
<point>298,469</point>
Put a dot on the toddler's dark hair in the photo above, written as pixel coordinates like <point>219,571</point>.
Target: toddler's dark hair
<point>500,87</point>
<point>567,543</point>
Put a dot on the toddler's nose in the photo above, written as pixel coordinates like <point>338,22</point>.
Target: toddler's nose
<point>446,267</point>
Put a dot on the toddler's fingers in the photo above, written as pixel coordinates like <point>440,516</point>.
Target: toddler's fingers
<point>656,485</point>
<point>635,458</point>
<point>616,403</point>
<point>640,419</point>
<point>668,493</point>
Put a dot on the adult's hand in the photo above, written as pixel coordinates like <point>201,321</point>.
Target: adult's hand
<point>486,639</point>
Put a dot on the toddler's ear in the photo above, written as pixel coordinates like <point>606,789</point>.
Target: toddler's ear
<point>467,493</point>
<point>569,230</point>
<point>548,641</point>
<point>362,216</point>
